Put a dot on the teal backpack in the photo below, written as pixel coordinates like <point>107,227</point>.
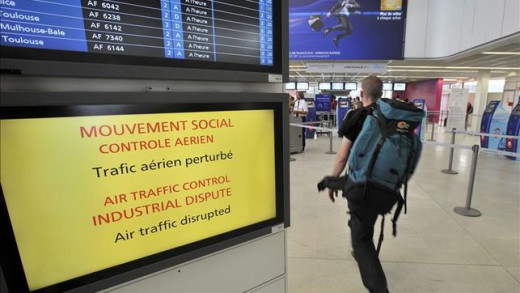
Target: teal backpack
<point>386,151</point>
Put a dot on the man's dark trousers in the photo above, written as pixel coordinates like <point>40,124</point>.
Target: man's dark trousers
<point>364,211</point>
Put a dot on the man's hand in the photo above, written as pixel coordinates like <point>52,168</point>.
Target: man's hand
<point>328,14</point>
<point>333,193</point>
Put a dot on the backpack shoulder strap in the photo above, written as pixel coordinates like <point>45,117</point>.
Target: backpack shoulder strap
<point>381,234</point>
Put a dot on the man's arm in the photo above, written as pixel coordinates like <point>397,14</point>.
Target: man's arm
<point>340,162</point>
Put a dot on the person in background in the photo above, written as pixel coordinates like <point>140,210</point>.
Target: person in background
<point>300,110</point>
<point>469,111</point>
<point>333,103</point>
<point>364,205</point>
<point>357,103</point>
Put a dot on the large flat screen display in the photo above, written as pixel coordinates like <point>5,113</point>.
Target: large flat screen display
<point>351,86</point>
<point>346,29</point>
<point>339,86</point>
<point>399,86</point>
<point>302,86</point>
<point>93,190</point>
<point>324,86</point>
<point>226,34</point>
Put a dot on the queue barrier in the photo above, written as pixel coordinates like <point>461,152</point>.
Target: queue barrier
<point>455,131</point>
<point>467,210</point>
<point>323,129</point>
<point>463,211</point>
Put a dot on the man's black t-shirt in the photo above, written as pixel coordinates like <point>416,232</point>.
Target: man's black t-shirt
<point>353,123</point>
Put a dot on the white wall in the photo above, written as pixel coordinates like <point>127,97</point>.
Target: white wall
<point>256,266</point>
<point>440,28</point>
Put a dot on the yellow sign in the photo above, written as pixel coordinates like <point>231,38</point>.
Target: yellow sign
<point>89,193</point>
<point>391,5</point>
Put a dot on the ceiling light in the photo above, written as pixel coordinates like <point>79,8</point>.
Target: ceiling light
<point>429,70</point>
<point>501,53</point>
<point>455,67</point>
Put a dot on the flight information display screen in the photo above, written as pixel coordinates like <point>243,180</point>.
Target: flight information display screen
<point>223,31</point>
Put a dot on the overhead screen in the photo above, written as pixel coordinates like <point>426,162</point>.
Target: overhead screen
<point>226,34</point>
<point>337,86</point>
<point>290,85</point>
<point>399,86</point>
<point>351,86</point>
<point>324,86</point>
<point>350,30</point>
<point>302,86</point>
<point>111,188</point>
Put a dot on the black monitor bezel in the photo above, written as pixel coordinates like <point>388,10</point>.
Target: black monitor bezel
<point>29,61</point>
<point>41,105</point>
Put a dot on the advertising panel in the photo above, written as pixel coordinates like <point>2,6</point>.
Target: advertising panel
<point>346,29</point>
<point>88,193</point>
<point>457,109</point>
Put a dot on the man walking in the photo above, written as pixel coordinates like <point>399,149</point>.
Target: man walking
<point>365,202</point>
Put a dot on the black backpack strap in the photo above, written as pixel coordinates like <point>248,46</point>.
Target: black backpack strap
<point>397,212</point>
<point>405,194</point>
<point>407,171</point>
<point>381,234</point>
<point>384,134</point>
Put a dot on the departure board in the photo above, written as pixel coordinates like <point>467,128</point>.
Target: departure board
<point>228,31</point>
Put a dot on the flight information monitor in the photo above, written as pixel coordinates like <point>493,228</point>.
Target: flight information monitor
<point>117,191</point>
<point>224,34</point>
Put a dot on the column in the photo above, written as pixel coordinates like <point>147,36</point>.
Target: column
<point>479,105</point>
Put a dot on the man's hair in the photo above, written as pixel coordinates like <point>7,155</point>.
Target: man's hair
<point>373,87</point>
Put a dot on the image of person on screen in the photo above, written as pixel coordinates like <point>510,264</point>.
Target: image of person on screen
<point>342,10</point>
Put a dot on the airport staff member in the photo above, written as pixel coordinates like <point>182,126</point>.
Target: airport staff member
<point>300,110</point>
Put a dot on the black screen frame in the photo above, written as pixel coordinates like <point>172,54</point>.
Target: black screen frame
<point>46,105</point>
<point>43,62</point>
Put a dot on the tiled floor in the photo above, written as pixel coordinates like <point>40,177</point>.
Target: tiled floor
<point>436,250</point>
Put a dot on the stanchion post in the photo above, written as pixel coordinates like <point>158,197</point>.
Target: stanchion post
<point>452,150</point>
<point>330,152</point>
<point>433,127</point>
<point>467,210</point>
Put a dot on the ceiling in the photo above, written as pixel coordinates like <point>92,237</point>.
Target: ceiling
<point>463,66</point>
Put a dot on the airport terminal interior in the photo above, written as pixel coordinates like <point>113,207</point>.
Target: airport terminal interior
<point>436,250</point>
<point>176,145</point>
